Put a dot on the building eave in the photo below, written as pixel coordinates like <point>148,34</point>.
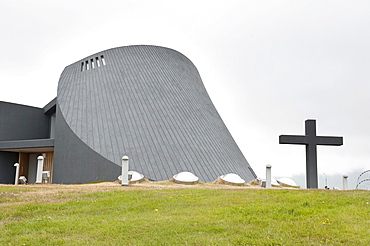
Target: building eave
<point>34,145</point>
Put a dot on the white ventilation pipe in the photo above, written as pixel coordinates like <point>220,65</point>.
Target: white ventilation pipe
<point>268,176</point>
<point>345,182</point>
<point>40,167</point>
<point>16,173</point>
<point>125,170</point>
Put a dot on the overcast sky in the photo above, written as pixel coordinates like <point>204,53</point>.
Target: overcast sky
<point>267,65</point>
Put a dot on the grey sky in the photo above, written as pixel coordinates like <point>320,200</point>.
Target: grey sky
<point>267,65</point>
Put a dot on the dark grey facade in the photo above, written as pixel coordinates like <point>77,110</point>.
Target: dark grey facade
<point>7,171</point>
<point>23,129</point>
<point>146,102</point>
<point>20,122</point>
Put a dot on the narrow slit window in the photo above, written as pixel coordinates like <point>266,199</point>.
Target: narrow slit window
<point>82,66</point>
<point>92,64</point>
<point>87,65</point>
<point>97,61</point>
<point>102,60</point>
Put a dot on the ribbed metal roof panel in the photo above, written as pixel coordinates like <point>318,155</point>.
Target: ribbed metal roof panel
<point>149,103</point>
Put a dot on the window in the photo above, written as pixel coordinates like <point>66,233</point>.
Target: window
<point>93,63</point>
<point>97,61</point>
<point>103,60</point>
<point>52,126</point>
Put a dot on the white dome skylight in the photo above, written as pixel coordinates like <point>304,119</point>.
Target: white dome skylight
<point>185,177</point>
<point>287,181</point>
<point>135,176</point>
<point>232,178</point>
<point>273,181</point>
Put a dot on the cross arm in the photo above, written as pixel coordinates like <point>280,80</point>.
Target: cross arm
<point>292,139</point>
<point>336,141</point>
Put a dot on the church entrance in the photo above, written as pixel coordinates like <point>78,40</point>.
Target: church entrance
<point>28,165</point>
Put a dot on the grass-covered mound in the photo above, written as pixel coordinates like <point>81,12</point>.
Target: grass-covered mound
<point>181,215</point>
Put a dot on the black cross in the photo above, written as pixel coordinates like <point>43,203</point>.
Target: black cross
<point>311,141</point>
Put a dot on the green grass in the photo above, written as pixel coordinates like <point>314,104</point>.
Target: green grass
<point>185,217</point>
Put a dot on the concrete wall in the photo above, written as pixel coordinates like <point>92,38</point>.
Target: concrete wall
<point>20,122</point>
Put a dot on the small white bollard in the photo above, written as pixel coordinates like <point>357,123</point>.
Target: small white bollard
<point>268,176</point>
<point>40,167</point>
<point>16,173</point>
<point>345,182</point>
<point>125,170</point>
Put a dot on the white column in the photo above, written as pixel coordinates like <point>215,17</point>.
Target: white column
<point>345,182</point>
<point>124,175</point>
<point>40,167</point>
<point>16,173</point>
<point>268,176</point>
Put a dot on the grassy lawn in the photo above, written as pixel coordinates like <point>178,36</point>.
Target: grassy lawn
<point>184,217</point>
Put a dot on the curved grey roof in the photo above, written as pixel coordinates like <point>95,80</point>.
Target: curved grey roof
<point>146,102</point>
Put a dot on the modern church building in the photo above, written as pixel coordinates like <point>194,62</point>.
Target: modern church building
<point>146,102</point>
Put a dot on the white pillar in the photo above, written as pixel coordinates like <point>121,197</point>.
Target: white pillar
<point>16,173</point>
<point>345,182</point>
<point>40,167</point>
<point>268,176</point>
<point>124,175</point>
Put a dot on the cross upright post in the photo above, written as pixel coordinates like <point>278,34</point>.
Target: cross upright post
<point>311,141</point>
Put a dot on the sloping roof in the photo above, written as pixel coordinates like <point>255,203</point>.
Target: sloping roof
<point>149,103</point>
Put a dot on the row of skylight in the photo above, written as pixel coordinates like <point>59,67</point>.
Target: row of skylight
<point>92,63</point>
